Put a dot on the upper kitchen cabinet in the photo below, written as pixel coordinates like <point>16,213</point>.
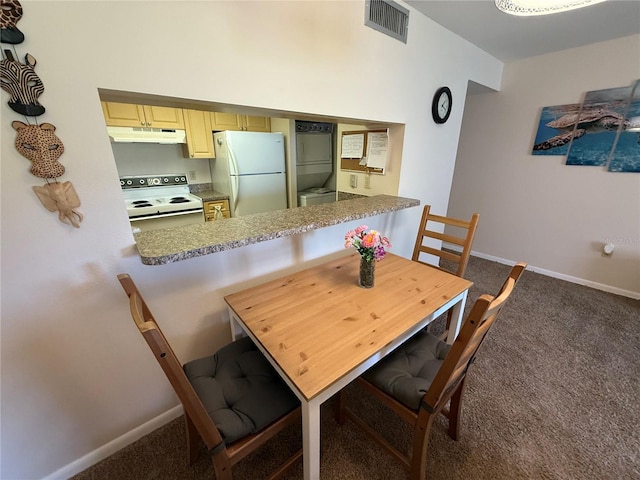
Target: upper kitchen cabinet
<point>230,121</point>
<point>256,124</point>
<point>225,121</point>
<point>199,137</point>
<point>132,115</point>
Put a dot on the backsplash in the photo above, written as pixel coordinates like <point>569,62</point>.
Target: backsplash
<point>200,187</point>
<point>156,159</point>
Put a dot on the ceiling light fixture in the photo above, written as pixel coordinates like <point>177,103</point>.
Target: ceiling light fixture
<point>525,8</point>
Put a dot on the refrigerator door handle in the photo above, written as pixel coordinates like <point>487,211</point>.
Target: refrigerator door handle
<point>233,165</point>
<point>235,192</point>
<point>235,181</point>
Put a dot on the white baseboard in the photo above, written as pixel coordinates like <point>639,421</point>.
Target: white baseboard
<point>550,273</point>
<point>113,446</point>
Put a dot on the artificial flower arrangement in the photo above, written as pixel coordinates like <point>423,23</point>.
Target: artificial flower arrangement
<point>369,244</point>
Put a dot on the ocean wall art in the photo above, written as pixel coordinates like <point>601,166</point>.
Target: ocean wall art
<point>603,130</point>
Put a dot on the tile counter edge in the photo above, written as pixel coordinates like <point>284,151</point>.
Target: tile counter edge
<point>160,247</point>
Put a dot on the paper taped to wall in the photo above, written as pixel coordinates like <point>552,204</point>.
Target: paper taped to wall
<point>352,146</point>
<point>377,147</point>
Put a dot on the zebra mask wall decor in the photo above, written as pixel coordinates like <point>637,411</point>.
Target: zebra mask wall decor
<point>22,83</point>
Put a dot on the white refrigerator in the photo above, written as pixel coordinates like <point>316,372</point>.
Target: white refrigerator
<point>250,168</point>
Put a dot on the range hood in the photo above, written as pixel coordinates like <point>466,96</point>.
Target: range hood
<point>146,135</point>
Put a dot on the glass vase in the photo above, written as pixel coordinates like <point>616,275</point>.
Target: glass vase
<point>367,270</point>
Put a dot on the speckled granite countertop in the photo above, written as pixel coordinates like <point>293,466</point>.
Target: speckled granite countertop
<point>211,195</point>
<point>158,247</point>
<point>348,196</point>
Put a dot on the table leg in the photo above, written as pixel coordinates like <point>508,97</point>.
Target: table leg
<point>311,440</point>
<point>456,318</point>
<point>234,325</point>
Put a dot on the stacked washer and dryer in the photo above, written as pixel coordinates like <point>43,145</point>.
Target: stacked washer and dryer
<point>314,162</point>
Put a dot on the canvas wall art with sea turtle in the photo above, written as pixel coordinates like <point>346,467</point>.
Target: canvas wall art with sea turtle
<point>603,130</point>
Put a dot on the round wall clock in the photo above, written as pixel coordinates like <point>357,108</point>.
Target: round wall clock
<point>441,106</point>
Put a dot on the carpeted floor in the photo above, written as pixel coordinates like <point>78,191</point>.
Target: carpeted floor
<point>554,394</point>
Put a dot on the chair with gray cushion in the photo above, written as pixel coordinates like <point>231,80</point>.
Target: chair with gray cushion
<point>233,400</point>
<point>424,375</point>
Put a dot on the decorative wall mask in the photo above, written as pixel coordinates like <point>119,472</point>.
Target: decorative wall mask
<point>38,143</point>
<point>61,197</point>
<point>42,146</point>
<point>11,12</point>
<point>22,83</point>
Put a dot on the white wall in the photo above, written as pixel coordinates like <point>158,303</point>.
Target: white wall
<point>535,208</point>
<point>75,373</point>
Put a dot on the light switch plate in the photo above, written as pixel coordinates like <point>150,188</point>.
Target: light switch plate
<point>353,180</point>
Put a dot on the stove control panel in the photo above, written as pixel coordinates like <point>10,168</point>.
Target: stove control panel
<point>171,180</point>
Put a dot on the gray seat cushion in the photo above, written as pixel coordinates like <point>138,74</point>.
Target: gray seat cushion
<point>240,389</point>
<point>408,371</point>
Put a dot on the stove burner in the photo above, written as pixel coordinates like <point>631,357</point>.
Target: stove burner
<point>137,202</point>
<point>140,204</point>
<point>179,200</point>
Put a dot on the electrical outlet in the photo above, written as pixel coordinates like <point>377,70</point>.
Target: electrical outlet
<point>192,175</point>
<point>367,180</point>
<point>353,181</point>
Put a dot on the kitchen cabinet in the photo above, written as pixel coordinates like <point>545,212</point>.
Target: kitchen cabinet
<point>199,134</point>
<point>132,115</point>
<point>211,209</point>
<point>225,121</point>
<point>230,121</point>
<point>253,123</point>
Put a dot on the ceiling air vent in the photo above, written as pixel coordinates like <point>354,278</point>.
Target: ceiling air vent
<point>387,17</point>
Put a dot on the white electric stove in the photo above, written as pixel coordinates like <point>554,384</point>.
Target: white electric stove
<point>160,201</point>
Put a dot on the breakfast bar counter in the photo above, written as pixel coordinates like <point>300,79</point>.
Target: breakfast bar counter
<point>159,247</point>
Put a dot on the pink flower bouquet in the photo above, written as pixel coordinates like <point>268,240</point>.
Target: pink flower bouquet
<point>369,244</point>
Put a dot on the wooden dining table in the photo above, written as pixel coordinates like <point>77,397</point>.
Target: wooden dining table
<point>320,330</point>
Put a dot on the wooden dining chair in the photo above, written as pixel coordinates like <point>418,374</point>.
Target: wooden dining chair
<point>424,374</point>
<point>461,239</point>
<point>233,400</point>
<point>460,236</point>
